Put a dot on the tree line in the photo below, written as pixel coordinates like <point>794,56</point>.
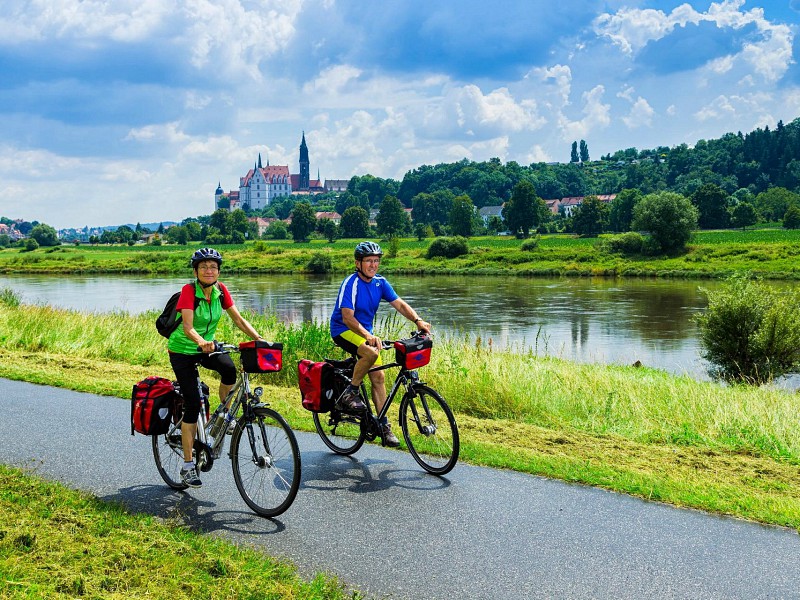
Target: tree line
<point>734,181</point>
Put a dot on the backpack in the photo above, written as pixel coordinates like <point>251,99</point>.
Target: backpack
<point>153,403</point>
<point>320,387</point>
<point>169,319</point>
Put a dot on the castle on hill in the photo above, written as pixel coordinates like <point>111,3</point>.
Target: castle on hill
<point>261,185</point>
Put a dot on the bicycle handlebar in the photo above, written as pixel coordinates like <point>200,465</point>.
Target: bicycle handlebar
<point>387,344</point>
<point>221,348</point>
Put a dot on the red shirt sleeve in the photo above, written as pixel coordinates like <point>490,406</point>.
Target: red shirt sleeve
<point>226,300</point>
<point>187,298</point>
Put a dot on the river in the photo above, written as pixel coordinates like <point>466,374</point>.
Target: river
<point>589,320</point>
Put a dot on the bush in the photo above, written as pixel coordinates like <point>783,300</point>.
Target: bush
<point>626,243</point>
<point>750,332</point>
<point>448,247</point>
<point>10,298</point>
<point>320,263</point>
<point>530,244</point>
<point>30,245</point>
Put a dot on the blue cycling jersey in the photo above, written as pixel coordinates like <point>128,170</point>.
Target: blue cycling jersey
<point>363,299</point>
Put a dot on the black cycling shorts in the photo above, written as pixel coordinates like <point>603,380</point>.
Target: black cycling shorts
<point>185,367</point>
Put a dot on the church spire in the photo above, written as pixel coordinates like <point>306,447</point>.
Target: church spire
<point>304,164</point>
<point>259,160</point>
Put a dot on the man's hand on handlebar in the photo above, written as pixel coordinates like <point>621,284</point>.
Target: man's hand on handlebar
<point>374,341</point>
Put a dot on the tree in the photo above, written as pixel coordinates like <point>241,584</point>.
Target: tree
<point>590,217</point>
<point>277,230</point>
<point>743,215</point>
<point>774,202</point>
<point>584,152</point>
<point>221,220</point>
<point>461,216</point>
<point>45,235</point>
<point>194,231</point>
<point>238,222</point>
<point>355,223</point>
<point>791,220</point>
<point>392,218</point>
<point>303,221</point>
<point>712,204</point>
<point>330,231</point>
<point>621,210</point>
<point>668,217</point>
<point>525,210</point>
<point>177,234</point>
<point>573,155</point>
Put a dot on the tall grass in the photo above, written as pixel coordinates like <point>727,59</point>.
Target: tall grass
<point>640,404</point>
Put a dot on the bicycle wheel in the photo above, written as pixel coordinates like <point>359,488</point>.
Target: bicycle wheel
<point>266,465</point>
<point>341,432</point>
<point>168,453</point>
<point>430,430</point>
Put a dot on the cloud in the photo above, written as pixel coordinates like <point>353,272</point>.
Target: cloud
<point>596,116</point>
<point>467,112</point>
<point>640,115</point>
<point>685,38</point>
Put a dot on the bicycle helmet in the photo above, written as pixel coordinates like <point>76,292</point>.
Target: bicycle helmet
<point>206,254</point>
<point>367,249</point>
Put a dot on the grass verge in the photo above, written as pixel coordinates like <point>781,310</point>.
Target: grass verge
<point>59,543</point>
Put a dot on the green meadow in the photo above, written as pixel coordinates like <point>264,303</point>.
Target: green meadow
<point>768,253</point>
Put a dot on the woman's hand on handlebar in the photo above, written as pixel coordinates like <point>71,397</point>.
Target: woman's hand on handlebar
<point>208,346</point>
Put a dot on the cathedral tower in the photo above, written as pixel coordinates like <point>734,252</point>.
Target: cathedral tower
<point>304,164</point>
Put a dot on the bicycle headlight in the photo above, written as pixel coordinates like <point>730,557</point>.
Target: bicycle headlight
<point>259,391</point>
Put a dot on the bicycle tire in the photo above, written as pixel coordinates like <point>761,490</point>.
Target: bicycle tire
<point>168,454</point>
<point>435,450</point>
<point>343,433</point>
<point>267,482</point>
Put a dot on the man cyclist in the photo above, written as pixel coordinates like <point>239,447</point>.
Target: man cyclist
<point>351,329</point>
<point>210,297</point>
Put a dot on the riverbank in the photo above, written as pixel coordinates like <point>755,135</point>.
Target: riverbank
<point>730,450</point>
<point>771,254</point>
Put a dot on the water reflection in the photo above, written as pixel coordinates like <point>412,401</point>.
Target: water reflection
<point>600,320</point>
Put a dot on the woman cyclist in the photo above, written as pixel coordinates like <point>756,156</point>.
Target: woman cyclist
<point>200,305</point>
<point>351,329</point>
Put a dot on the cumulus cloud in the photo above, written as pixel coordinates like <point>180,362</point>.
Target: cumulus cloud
<point>768,53</point>
<point>640,115</point>
<point>122,20</point>
<point>596,116</point>
<point>467,111</point>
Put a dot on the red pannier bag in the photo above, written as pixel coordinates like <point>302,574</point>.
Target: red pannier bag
<point>259,356</point>
<point>414,352</point>
<point>318,385</point>
<point>152,406</point>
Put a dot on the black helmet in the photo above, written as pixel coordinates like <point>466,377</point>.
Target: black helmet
<point>367,249</point>
<point>206,254</point>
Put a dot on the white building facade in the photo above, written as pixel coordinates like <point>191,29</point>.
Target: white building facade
<point>262,185</point>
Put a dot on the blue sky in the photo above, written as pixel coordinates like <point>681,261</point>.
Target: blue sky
<point>132,111</point>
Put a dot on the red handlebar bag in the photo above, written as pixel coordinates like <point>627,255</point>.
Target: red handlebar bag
<point>259,356</point>
<point>413,353</point>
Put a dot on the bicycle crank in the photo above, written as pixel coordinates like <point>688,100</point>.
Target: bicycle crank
<point>204,456</point>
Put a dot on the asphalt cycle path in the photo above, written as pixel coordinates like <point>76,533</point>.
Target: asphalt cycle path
<point>390,530</point>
